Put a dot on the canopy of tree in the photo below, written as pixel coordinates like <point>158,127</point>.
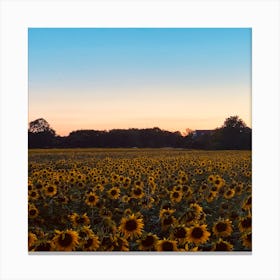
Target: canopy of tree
<point>234,134</point>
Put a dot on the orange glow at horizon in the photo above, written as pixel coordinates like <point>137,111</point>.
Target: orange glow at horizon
<point>157,109</point>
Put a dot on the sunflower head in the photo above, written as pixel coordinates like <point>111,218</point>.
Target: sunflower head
<point>114,193</point>
<point>79,220</point>
<point>222,245</point>
<point>245,224</point>
<point>179,232</point>
<point>65,240</point>
<point>33,194</point>
<point>228,194</point>
<point>166,245</point>
<point>131,226</point>
<point>222,227</point>
<point>247,240</point>
<point>91,243</point>
<point>43,246</point>
<point>176,196</point>
<point>198,234</point>
<point>137,192</point>
<point>120,244</point>
<point>50,190</point>
<point>91,199</point>
<point>247,205</point>
<point>33,212</point>
<point>167,222</point>
<point>147,242</point>
<point>32,238</point>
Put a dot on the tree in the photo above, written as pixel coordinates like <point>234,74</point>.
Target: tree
<point>39,126</point>
<point>234,134</point>
<point>40,134</point>
<point>235,123</point>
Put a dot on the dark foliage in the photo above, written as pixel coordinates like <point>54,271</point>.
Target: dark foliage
<point>234,134</point>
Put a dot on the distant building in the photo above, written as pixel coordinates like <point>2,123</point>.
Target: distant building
<point>201,132</point>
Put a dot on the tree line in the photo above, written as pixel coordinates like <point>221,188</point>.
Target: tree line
<point>232,135</point>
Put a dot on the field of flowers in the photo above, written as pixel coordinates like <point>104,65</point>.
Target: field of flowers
<point>139,200</point>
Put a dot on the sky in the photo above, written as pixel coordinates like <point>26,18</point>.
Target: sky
<point>171,78</point>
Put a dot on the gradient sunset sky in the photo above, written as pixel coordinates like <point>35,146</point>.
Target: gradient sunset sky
<point>171,78</point>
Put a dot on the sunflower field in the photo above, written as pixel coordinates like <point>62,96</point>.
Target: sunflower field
<point>139,200</point>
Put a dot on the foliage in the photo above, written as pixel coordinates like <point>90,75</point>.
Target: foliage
<point>40,134</point>
<point>234,134</point>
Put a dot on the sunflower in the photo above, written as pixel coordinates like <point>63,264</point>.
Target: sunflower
<point>131,226</point>
<point>114,193</point>
<point>79,220</point>
<point>139,183</point>
<point>245,224</point>
<point>99,187</point>
<point>114,177</point>
<point>127,212</point>
<point>109,225</point>
<point>107,243</point>
<point>179,233</point>
<point>238,189</point>
<point>84,232</point>
<point>219,181</point>
<point>229,194</point>
<point>196,208</point>
<point>214,189</point>
<point>33,212</point>
<point>30,186</point>
<point>105,213</point>
<point>187,191</point>
<point>203,188</point>
<point>66,240</point>
<point>167,221</point>
<point>247,240</point>
<point>176,196</point>
<point>166,245</point>
<point>184,179</point>
<point>39,185</point>
<point>147,202</point>
<point>43,246</point>
<point>222,228</point>
<point>166,212</point>
<point>222,245</point>
<point>189,217</point>
<point>211,196</point>
<point>91,199</point>
<point>120,244</point>
<point>211,178</point>
<point>62,200</point>
<point>33,194</point>
<point>137,192</point>
<point>32,238</point>
<point>247,205</point>
<point>198,234</point>
<point>126,183</point>
<point>50,190</point>
<point>91,243</point>
<point>147,242</point>
<point>178,188</point>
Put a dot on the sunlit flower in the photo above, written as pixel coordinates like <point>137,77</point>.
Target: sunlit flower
<point>65,240</point>
<point>198,234</point>
<point>131,226</point>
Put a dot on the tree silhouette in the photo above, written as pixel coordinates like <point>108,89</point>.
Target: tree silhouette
<point>40,134</point>
<point>234,134</point>
<point>39,126</point>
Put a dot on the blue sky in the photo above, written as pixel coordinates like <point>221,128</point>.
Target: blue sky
<point>138,70</point>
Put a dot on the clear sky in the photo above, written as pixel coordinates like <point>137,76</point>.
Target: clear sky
<point>171,78</point>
